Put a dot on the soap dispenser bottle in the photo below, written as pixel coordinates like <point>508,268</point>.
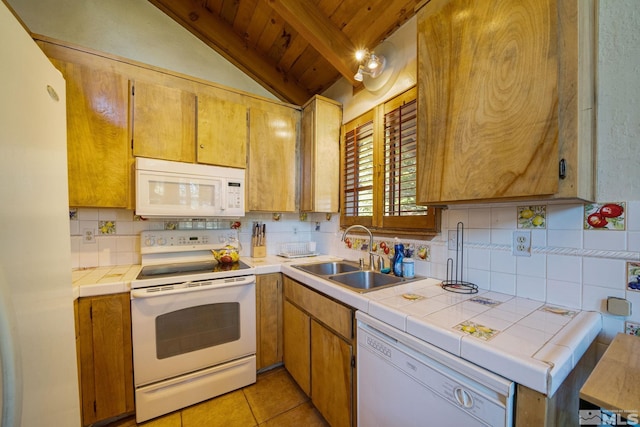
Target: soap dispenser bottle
<point>408,266</point>
<point>398,250</point>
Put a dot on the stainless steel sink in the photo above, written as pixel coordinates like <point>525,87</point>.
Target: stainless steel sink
<point>365,280</point>
<point>328,268</point>
<point>349,275</point>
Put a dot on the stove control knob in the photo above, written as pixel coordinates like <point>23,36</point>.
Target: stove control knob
<point>150,241</point>
<point>162,241</point>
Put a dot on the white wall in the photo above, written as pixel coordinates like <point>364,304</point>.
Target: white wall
<point>133,29</point>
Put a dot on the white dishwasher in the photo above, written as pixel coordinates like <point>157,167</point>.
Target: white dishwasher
<point>404,382</point>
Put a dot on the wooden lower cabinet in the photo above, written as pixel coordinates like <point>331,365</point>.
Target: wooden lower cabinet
<point>268,320</point>
<point>319,343</point>
<point>105,360</point>
<point>331,375</point>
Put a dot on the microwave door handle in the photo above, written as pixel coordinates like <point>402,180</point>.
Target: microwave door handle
<point>223,195</point>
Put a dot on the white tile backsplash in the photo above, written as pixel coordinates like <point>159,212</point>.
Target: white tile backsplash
<point>564,217</point>
<point>605,240</point>
<point>608,273</point>
<point>566,294</point>
<point>569,266</point>
<point>565,238</point>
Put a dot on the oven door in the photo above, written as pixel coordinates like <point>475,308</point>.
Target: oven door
<point>185,328</point>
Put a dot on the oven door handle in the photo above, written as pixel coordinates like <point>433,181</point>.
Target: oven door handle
<point>211,285</point>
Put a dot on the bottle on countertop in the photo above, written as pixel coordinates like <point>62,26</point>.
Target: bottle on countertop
<point>398,249</point>
<point>408,265</point>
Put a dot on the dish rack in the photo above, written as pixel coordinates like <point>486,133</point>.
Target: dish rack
<point>297,249</point>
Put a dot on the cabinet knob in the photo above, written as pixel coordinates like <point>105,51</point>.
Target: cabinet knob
<point>201,145</point>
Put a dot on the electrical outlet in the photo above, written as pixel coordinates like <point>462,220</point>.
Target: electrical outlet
<point>522,243</point>
<point>452,240</point>
<point>88,236</point>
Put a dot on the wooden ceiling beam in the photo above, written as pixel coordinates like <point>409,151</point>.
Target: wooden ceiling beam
<point>321,33</point>
<point>220,36</point>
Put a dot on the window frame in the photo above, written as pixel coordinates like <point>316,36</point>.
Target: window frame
<point>413,226</point>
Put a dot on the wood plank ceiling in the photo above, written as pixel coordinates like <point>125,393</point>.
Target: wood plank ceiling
<point>294,48</point>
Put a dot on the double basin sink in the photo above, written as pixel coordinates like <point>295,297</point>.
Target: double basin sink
<point>350,275</point>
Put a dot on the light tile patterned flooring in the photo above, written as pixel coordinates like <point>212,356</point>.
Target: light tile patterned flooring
<point>274,400</point>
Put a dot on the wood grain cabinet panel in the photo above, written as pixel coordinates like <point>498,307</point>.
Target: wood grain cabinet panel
<point>272,168</point>
<point>319,344</point>
<point>320,155</point>
<point>222,132</point>
<point>269,320</point>
<point>106,358</point>
<point>505,94</point>
<point>164,122</point>
<point>332,375</point>
<point>98,155</point>
<point>297,345</point>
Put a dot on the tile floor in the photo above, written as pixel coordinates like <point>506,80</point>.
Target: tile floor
<point>274,400</point>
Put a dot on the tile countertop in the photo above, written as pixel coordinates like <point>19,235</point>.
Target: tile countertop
<point>94,281</point>
<point>527,341</point>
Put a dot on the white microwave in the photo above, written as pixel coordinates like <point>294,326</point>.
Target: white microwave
<point>177,189</point>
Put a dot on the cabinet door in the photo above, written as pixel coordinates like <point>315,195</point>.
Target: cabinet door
<point>297,345</point>
<point>488,99</point>
<point>269,320</point>
<point>320,156</point>
<point>272,159</point>
<point>106,367</point>
<point>331,375</point>
<point>222,132</point>
<point>164,122</point>
<point>98,156</point>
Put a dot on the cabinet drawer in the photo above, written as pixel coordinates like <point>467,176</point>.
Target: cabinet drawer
<point>333,314</point>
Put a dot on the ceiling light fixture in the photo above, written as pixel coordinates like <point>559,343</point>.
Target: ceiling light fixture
<point>375,64</point>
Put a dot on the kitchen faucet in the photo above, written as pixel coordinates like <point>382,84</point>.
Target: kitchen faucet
<point>370,249</point>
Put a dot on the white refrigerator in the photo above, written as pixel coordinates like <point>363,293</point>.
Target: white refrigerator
<point>39,383</point>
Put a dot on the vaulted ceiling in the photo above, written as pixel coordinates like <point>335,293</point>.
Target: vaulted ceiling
<point>294,48</point>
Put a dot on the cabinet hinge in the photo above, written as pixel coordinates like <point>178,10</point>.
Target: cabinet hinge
<point>133,90</point>
<point>91,317</point>
<point>353,361</point>
<point>562,169</point>
<point>95,407</point>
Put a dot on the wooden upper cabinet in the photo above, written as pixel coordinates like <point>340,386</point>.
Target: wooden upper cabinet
<point>164,122</point>
<point>505,96</point>
<point>98,154</point>
<point>320,155</point>
<point>222,132</point>
<point>272,169</point>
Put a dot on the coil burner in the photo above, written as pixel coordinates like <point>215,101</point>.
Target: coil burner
<point>455,282</point>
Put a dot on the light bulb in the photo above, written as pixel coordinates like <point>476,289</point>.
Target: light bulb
<point>373,63</point>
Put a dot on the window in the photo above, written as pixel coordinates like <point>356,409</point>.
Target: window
<point>358,182</point>
<point>379,170</point>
